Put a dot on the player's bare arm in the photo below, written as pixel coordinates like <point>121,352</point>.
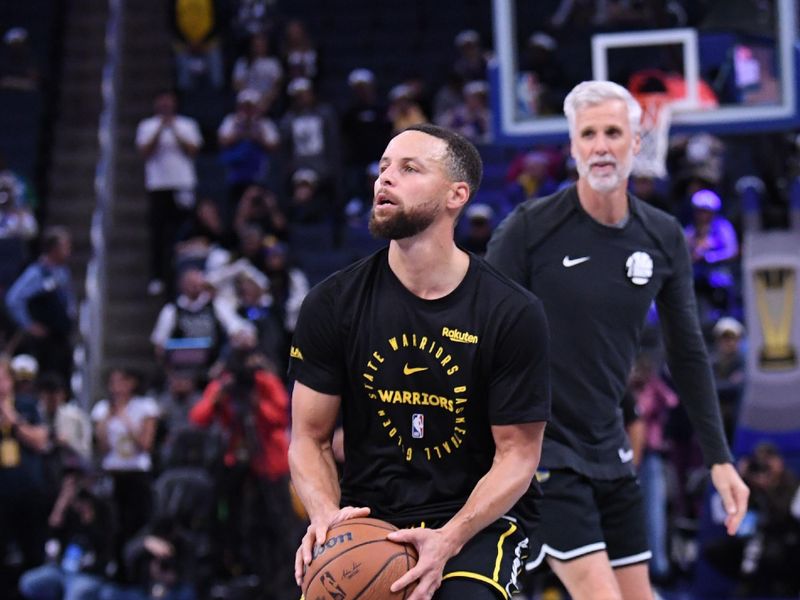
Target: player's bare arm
<point>313,468</point>
<point>516,458</point>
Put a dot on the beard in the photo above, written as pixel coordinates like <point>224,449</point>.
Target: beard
<point>403,223</point>
<point>610,182</point>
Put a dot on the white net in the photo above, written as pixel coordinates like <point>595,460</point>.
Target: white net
<point>651,161</point>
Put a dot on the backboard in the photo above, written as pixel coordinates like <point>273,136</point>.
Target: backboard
<point>736,58</point>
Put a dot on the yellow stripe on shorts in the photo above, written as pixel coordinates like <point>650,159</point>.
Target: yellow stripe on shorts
<point>479,577</point>
<point>512,528</point>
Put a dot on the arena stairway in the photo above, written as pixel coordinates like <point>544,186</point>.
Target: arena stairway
<point>74,151</point>
<point>145,68</point>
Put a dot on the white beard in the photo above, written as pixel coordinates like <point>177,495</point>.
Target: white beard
<point>607,182</point>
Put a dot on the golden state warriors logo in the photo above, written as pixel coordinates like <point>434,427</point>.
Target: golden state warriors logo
<point>420,395</point>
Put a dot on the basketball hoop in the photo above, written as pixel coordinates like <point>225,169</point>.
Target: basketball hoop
<point>651,161</point>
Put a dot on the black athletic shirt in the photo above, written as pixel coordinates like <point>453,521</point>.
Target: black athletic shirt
<point>422,382</point>
<point>596,283</point>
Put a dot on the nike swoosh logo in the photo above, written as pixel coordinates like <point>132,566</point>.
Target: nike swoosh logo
<point>411,370</point>
<point>571,262</point>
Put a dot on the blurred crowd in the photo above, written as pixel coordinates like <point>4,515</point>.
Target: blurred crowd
<point>175,484</point>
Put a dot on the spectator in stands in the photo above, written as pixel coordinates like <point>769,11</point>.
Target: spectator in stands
<point>23,513</point>
<point>471,61</point>
<point>224,268</point>
<point>728,362</point>
<point>247,140</point>
<point>202,232</point>
<point>18,68</point>
<point>472,118</point>
<point>310,134</point>
<point>449,96</point>
<point>309,202</point>
<point>125,427</point>
<point>79,549</point>
<point>175,402</point>
<point>259,70</point>
<point>69,425</point>
<point>24,370</point>
<point>191,330</point>
<point>250,17</point>
<point>479,228</point>
<point>654,400</point>
<point>161,560</point>
<point>255,304</point>
<point>365,128</point>
<point>713,245</point>
<point>763,559</point>
<point>198,53</point>
<point>16,219</point>
<point>17,226</point>
<point>288,285</point>
<point>403,110</point>
<point>168,142</point>
<point>298,51</point>
<point>547,85</point>
<point>260,206</point>
<point>42,304</point>
<point>23,191</point>
<point>532,178</point>
<point>252,405</point>
<point>69,430</point>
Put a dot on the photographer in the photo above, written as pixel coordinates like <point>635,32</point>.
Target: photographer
<point>259,206</point>
<point>250,402</point>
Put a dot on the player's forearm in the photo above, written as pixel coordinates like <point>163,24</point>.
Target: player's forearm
<point>493,496</point>
<point>314,475</point>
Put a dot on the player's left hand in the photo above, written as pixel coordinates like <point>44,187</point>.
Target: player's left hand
<point>434,551</point>
<point>734,494</point>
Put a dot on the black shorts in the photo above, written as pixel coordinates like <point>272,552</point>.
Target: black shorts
<point>581,515</point>
<point>494,557</point>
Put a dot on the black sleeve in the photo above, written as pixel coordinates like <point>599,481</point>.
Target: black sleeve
<point>519,391</point>
<point>507,250</point>
<point>687,355</point>
<point>316,353</point>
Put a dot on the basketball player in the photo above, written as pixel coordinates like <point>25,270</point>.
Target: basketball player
<point>597,257</point>
<point>439,364</point>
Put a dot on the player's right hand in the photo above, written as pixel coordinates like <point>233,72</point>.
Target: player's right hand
<point>316,533</point>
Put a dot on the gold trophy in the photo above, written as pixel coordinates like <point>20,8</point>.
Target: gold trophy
<point>775,301</point>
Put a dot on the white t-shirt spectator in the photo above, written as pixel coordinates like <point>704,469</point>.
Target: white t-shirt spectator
<point>169,167</point>
<point>124,454</point>
<point>261,75</point>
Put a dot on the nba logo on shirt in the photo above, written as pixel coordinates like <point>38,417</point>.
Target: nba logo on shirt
<point>417,426</point>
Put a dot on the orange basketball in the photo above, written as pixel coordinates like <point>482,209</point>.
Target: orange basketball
<point>357,561</point>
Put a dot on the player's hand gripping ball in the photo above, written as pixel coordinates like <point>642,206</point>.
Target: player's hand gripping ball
<point>357,561</point>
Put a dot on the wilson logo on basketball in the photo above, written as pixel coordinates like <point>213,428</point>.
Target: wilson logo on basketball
<point>334,541</point>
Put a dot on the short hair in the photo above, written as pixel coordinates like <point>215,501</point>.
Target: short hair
<point>462,161</point>
<point>592,93</point>
<point>52,237</point>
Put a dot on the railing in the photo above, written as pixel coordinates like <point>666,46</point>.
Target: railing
<point>92,317</point>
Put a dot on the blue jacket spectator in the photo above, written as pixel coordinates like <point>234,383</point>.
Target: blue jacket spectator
<point>42,304</point>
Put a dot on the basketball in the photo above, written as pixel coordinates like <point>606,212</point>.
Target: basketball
<point>357,561</point>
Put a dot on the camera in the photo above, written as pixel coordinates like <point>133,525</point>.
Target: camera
<point>242,377</point>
